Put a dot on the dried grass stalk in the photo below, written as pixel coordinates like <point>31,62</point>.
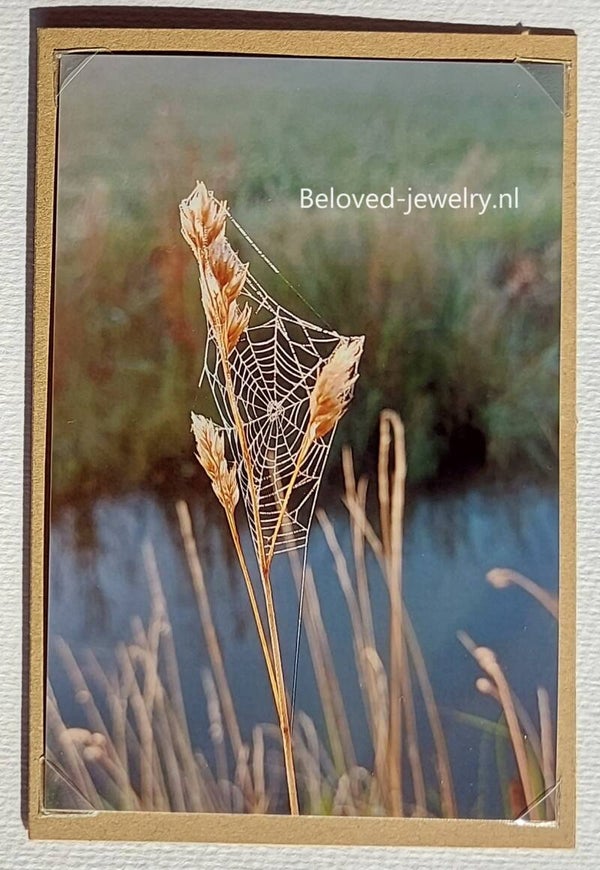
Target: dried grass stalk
<point>487,661</point>
<point>221,280</point>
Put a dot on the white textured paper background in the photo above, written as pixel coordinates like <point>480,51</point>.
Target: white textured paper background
<point>15,850</point>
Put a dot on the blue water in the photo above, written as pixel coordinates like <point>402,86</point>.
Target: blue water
<point>98,583</point>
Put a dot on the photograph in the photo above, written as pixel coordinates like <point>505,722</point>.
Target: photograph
<point>303,507</point>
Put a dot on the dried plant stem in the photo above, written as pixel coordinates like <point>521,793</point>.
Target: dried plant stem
<point>82,690</point>
<point>392,509</point>
<point>357,494</point>
<point>212,642</point>
<point>412,744</point>
<point>503,577</point>
<point>253,602</point>
<point>159,607</point>
<point>144,729</point>
<point>264,570</point>
<point>79,779</point>
<point>487,687</point>
<point>547,742</point>
<point>487,661</point>
<point>447,798</point>
<point>355,502</point>
<point>284,718</point>
<point>336,721</point>
<point>372,677</point>
<point>275,670</point>
<point>272,656</point>
<point>117,708</point>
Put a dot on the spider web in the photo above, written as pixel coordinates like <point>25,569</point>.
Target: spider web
<point>273,369</point>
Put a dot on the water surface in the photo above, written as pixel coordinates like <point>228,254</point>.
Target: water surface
<point>98,583</point>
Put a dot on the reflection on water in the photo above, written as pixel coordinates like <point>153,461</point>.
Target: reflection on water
<point>97,584</point>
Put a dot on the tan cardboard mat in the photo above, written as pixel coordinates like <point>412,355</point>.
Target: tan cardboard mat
<point>302,503</point>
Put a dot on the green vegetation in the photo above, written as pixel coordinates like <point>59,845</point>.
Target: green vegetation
<point>460,312</point>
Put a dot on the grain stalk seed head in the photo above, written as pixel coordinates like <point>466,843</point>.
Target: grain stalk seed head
<point>210,447</point>
<point>333,387</point>
<point>222,274</point>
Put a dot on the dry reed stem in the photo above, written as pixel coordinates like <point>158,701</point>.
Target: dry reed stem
<point>166,759</point>
<point>355,503</point>
<point>165,763</point>
<point>216,729</point>
<point>242,777</point>
<point>264,570</point>
<point>412,744</point>
<point>258,770</point>
<point>144,729</point>
<point>73,769</point>
<point>309,751</point>
<point>547,745</point>
<point>336,721</point>
<point>341,567</point>
<point>169,781</point>
<point>105,771</point>
<point>272,657</point>
<point>487,661</point>
<point>284,719</point>
<point>117,708</point>
<point>171,748</point>
<point>266,650</point>
<point>444,771</point>
<point>86,698</point>
<point>501,578</point>
<point>333,708</point>
<point>80,686</point>
<point>391,514</point>
<point>172,742</point>
<point>199,788</point>
<point>378,699</point>
<point>488,687</point>
<point>389,555</point>
<point>357,494</point>
<point>79,683</point>
<point>373,681</point>
<point>208,628</point>
<point>173,681</point>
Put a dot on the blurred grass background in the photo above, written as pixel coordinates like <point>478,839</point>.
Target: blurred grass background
<point>461,312</point>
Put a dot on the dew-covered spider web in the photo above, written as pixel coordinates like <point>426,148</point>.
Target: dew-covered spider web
<point>273,370</point>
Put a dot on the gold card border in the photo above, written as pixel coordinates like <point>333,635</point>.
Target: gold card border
<point>305,830</point>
